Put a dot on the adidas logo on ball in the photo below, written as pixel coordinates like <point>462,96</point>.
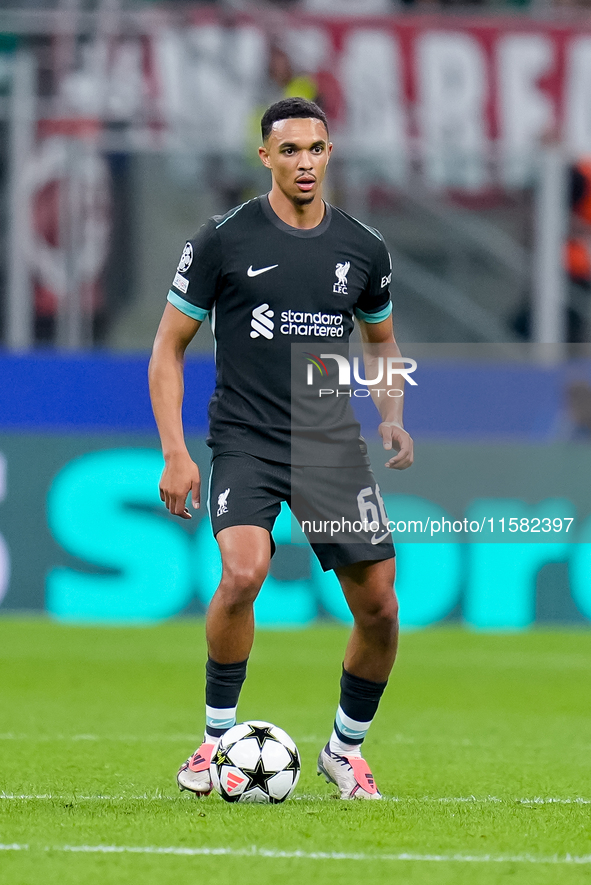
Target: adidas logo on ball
<point>255,762</point>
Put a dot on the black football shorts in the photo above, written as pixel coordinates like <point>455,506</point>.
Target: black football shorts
<point>340,509</point>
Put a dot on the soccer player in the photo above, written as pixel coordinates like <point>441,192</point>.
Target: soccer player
<point>283,269</point>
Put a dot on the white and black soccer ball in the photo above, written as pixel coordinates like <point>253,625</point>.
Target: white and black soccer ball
<point>255,762</point>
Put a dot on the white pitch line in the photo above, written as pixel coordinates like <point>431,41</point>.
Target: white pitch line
<point>151,738</point>
<point>125,738</point>
<point>275,854</point>
<point>537,800</point>
<point>404,800</point>
<point>75,797</point>
<point>118,738</point>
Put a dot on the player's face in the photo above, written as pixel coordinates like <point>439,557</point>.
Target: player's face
<point>297,153</point>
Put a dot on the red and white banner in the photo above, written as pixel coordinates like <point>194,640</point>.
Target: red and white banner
<point>468,98</point>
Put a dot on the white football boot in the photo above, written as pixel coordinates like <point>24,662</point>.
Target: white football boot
<point>194,773</point>
<point>350,774</point>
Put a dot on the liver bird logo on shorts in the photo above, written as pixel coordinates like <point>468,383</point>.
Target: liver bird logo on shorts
<point>223,502</point>
<point>341,271</point>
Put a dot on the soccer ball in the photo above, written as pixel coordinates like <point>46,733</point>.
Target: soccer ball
<point>255,762</point>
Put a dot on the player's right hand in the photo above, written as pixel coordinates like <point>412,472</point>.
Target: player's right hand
<point>179,477</point>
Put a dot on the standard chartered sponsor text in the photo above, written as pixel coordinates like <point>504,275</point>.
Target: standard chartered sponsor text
<point>321,325</point>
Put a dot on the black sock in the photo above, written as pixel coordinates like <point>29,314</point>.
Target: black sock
<point>222,690</point>
<point>357,706</point>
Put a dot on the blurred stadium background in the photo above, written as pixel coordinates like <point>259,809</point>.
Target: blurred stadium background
<point>463,132</point>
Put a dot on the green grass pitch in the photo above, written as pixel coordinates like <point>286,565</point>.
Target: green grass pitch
<point>482,747</point>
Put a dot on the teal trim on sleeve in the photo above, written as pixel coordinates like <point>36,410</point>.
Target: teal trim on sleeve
<point>196,313</point>
<point>378,317</point>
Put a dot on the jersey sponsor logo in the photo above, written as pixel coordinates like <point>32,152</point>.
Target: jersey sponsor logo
<point>255,273</point>
<point>386,281</point>
<point>181,283</point>
<point>261,322</point>
<point>341,271</point>
<point>223,502</point>
<point>186,259</point>
<point>316,325</point>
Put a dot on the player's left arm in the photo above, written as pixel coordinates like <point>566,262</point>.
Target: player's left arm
<point>379,341</point>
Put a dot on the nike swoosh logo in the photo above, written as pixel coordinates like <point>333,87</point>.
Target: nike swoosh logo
<point>375,540</point>
<point>255,273</point>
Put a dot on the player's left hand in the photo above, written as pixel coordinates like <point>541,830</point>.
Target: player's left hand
<point>394,436</point>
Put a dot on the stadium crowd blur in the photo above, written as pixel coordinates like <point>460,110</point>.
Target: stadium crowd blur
<point>332,7</point>
<point>576,258</point>
<point>106,291</point>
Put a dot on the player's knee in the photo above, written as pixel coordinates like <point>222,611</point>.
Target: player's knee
<point>380,615</point>
<point>386,615</point>
<point>241,583</point>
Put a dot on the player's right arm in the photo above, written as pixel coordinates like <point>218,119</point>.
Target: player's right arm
<point>190,299</point>
<point>166,373</point>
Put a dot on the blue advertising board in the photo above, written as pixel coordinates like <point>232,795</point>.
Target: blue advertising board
<point>84,536</point>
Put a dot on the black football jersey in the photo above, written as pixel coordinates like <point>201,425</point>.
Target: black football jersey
<point>267,286</point>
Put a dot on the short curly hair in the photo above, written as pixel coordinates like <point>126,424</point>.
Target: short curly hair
<point>290,108</point>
